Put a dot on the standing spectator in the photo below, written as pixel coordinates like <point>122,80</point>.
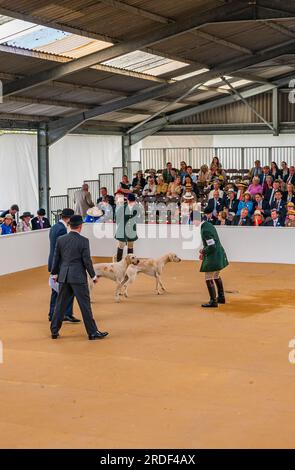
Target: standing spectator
<point>83,200</point>
<point>290,179</point>
<point>168,174</point>
<point>138,182</point>
<point>255,187</point>
<point>275,220</point>
<point>24,224</point>
<point>40,221</point>
<point>183,171</point>
<point>57,231</point>
<point>256,170</point>
<point>14,209</point>
<point>6,226</point>
<point>104,194</point>
<point>274,171</point>
<point>243,219</point>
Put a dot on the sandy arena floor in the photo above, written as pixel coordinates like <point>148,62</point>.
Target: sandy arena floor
<point>170,374</point>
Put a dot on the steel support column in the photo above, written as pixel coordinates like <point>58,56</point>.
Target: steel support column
<point>275,112</point>
<point>43,168</point>
<point>126,150</point>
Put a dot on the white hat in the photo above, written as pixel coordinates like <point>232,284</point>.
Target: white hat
<point>94,212</point>
<point>188,196</point>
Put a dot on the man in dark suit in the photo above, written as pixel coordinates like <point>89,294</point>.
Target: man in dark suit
<point>275,221</point>
<point>261,205</point>
<point>290,178</point>
<point>40,221</point>
<point>57,231</point>
<point>270,192</point>
<point>71,264</point>
<point>215,204</point>
<point>103,195</point>
<point>279,204</point>
<point>231,202</point>
<point>243,219</point>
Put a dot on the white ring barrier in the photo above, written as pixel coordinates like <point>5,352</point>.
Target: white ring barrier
<point>243,244</point>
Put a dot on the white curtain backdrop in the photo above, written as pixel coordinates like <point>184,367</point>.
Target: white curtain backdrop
<point>18,169</point>
<point>76,158</point>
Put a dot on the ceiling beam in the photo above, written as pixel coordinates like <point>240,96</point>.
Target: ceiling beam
<point>119,5</point>
<point>22,117</point>
<point>221,41</point>
<point>281,29</point>
<point>159,35</point>
<point>63,125</point>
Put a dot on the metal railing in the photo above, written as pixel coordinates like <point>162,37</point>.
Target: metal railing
<point>94,189</point>
<point>71,196</point>
<point>118,173</point>
<point>57,204</point>
<point>230,157</point>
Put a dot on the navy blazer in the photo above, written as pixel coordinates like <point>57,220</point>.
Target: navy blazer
<point>270,223</point>
<point>55,232</point>
<point>219,205</point>
<point>235,204</point>
<point>281,209</point>
<point>35,223</point>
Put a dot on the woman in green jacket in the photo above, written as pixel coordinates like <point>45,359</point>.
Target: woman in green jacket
<point>214,259</point>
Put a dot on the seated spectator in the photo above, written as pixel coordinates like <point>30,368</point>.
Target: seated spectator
<point>104,194</point>
<point>189,186</point>
<point>162,187</point>
<point>221,176</point>
<point>231,203</point>
<point>24,224</point>
<point>191,174</point>
<point>223,219</point>
<point>261,205</point>
<point>216,187</point>
<point>290,219</point>
<point>175,188</point>
<point>246,202</point>
<point>267,187</point>
<point>290,178</point>
<point>216,163</point>
<point>263,176</point>
<point>183,171</point>
<point>270,192</point>
<point>6,226</point>
<point>213,173</point>
<point>93,215</point>
<point>40,221</point>
<point>255,187</point>
<point>138,182</point>
<point>150,188</point>
<point>274,171</point>
<point>289,195</point>
<point>279,204</point>
<point>188,206</point>
<point>215,204</point>
<point>125,186</point>
<point>242,187</point>
<point>108,211</point>
<point>258,218</point>
<point>243,219</point>
<point>167,174</point>
<point>209,216</point>
<point>203,176</point>
<point>275,220</point>
<point>14,209</point>
<point>256,170</point>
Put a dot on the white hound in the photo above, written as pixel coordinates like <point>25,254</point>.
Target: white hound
<point>115,271</point>
<point>151,267</point>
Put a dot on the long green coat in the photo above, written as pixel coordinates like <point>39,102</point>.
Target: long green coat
<point>214,255</point>
<point>126,219</point>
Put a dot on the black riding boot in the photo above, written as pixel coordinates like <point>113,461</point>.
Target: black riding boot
<point>212,292</point>
<point>219,285</point>
<point>130,251</point>
<point>119,254</point>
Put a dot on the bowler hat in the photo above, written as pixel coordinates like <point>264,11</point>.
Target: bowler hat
<point>41,212</point>
<point>76,221</point>
<point>131,197</point>
<point>207,210</point>
<point>67,212</point>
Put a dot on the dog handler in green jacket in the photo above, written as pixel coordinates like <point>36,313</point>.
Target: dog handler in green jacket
<point>214,259</point>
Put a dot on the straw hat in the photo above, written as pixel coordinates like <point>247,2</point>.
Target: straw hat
<point>8,216</point>
<point>94,212</point>
<point>187,196</point>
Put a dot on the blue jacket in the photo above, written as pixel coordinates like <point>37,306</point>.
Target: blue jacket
<point>6,229</point>
<point>55,232</point>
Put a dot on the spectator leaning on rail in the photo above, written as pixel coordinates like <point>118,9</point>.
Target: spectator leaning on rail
<point>40,221</point>
<point>83,200</point>
<point>14,209</point>
<point>24,225</point>
<point>6,226</point>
